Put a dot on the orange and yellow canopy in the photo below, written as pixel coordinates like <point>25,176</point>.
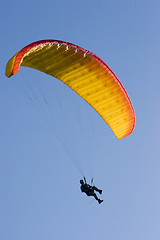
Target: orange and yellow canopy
<point>83,72</point>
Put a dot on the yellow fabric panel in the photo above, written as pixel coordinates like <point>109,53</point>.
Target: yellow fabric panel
<point>89,78</point>
<point>9,67</point>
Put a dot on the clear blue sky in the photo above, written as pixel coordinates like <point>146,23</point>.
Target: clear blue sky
<point>39,183</point>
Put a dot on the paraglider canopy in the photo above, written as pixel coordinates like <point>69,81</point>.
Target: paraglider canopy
<point>86,74</point>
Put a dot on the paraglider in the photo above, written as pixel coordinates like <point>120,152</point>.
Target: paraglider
<point>86,74</point>
<point>90,190</point>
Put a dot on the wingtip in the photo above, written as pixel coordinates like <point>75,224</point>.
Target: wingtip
<point>10,66</point>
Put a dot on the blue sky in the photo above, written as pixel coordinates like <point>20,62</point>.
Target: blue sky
<point>39,181</point>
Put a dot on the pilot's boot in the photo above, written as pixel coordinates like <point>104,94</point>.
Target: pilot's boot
<point>100,191</point>
<point>100,201</point>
